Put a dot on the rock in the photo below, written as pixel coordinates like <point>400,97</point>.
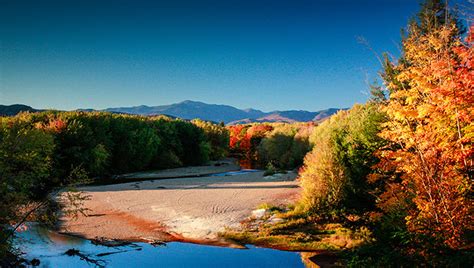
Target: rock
<point>259,213</point>
<point>274,176</point>
<point>152,241</point>
<point>72,252</point>
<point>35,262</point>
<point>157,243</point>
<point>274,219</point>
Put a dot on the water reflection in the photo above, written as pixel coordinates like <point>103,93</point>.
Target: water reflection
<point>238,172</point>
<point>50,237</point>
<point>246,163</point>
<point>50,248</point>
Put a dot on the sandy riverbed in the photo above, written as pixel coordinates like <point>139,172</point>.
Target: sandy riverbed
<point>188,209</point>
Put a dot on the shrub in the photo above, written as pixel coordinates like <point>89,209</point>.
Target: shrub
<point>334,172</point>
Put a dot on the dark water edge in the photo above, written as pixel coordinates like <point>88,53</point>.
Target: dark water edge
<point>237,172</point>
<point>50,249</point>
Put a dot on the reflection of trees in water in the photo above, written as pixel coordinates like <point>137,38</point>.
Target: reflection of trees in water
<point>246,163</point>
<point>42,235</point>
<point>87,258</point>
<point>95,259</point>
<point>45,234</point>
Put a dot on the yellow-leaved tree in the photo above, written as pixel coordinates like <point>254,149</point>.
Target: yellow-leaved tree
<point>430,127</point>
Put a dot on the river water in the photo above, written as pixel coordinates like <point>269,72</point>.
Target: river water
<point>49,248</point>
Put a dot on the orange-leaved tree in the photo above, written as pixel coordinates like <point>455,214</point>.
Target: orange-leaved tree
<point>245,139</point>
<point>430,127</point>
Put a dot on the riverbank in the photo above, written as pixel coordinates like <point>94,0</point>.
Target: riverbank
<point>220,166</point>
<point>191,209</point>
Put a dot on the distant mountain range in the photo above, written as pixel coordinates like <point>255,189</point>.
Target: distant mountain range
<point>225,113</point>
<point>210,112</point>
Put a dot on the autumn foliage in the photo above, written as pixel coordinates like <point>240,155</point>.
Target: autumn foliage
<point>412,153</point>
<point>245,139</point>
<point>278,145</point>
<point>429,164</point>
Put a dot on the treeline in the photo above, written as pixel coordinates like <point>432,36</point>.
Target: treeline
<point>42,151</point>
<point>273,146</point>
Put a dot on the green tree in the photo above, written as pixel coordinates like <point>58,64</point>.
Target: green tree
<point>217,136</point>
<point>334,174</point>
<point>25,171</point>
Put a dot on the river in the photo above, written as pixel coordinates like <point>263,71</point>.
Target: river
<point>50,249</point>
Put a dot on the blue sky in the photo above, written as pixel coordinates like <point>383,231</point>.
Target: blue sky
<point>269,55</point>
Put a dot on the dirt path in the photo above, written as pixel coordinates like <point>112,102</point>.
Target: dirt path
<point>192,209</point>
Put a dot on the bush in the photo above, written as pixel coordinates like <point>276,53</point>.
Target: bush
<point>334,172</point>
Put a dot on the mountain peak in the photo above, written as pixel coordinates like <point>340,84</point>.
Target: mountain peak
<point>190,102</point>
